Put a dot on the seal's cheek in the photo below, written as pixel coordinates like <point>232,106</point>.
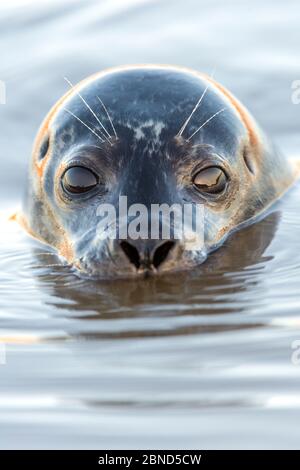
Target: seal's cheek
<point>66,250</point>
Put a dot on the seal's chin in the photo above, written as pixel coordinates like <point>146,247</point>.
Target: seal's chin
<point>144,273</point>
<point>106,275</point>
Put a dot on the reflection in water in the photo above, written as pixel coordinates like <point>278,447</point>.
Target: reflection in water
<point>213,288</point>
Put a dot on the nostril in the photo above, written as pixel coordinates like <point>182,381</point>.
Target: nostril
<point>132,253</point>
<point>162,252</point>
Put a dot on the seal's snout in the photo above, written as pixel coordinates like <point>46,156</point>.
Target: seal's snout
<point>147,257</point>
<point>127,258</point>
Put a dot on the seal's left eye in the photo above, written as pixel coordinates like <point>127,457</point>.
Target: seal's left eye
<point>78,179</point>
<point>211,180</point>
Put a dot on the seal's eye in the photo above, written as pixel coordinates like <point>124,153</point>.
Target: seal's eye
<point>78,179</point>
<point>211,180</point>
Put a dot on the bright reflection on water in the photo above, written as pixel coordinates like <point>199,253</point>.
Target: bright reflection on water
<point>189,360</point>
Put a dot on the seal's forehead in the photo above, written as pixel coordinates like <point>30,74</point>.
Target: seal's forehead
<point>160,97</point>
<point>145,86</point>
<point>144,91</point>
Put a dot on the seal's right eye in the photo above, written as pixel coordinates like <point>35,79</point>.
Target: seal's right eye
<point>78,180</point>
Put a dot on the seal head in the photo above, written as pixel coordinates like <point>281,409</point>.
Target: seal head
<point>155,135</point>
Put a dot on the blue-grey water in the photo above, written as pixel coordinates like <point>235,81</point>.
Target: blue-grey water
<point>197,360</point>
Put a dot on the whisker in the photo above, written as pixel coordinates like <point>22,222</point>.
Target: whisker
<point>96,147</point>
<point>193,111</point>
<point>88,127</point>
<point>90,109</point>
<point>48,253</point>
<point>207,121</point>
<point>38,266</point>
<point>107,114</point>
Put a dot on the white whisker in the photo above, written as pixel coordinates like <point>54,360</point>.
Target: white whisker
<point>89,128</point>
<point>110,120</point>
<point>89,108</point>
<point>48,253</point>
<point>38,266</point>
<point>207,120</point>
<point>96,147</point>
<point>193,111</point>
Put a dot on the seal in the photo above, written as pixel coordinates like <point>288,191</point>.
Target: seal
<point>157,135</point>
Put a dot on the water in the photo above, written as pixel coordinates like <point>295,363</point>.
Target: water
<point>198,360</point>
